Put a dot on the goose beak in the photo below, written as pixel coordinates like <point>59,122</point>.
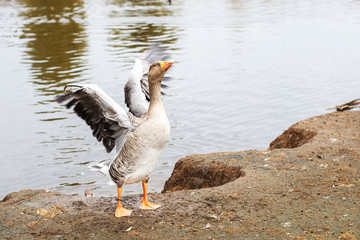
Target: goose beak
<point>166,64</point>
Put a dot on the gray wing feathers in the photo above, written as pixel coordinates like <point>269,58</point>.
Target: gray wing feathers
<point>137,87</point>
<point>107,119</point>
<point>134,96</point>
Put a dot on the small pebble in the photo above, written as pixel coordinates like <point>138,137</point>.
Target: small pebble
<point>89,193</point>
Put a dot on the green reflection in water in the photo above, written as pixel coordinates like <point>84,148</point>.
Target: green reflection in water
<point>142,34</point>
<point>137,36</point>
<point>56,42</point>
<point>140,8</point>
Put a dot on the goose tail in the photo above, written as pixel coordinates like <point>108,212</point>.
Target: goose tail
<point>102,167</point>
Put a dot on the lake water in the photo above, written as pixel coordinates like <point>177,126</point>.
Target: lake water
<point>244,72</point>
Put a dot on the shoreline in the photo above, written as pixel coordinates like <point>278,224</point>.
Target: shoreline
<point>305,186</point>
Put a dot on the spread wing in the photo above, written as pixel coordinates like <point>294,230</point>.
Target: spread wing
<point>137,87</point>
<point>107,119</point>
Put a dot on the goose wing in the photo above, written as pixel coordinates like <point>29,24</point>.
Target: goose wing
<point>134,95</point>
<point>137,87</point>
<point>108,120</point>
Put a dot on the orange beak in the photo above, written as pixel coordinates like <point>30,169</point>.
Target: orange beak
<point>166,64</point>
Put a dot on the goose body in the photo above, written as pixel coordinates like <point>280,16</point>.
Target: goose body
<point>139,135</point>
<point>142,149</point>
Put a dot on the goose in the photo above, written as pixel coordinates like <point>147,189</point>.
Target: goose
<point>138,136</point>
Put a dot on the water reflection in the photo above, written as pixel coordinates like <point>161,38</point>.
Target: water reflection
<point>136,36</point>
<point>56,42</point>
<point>134,8</point>
<point>140,35</point>
<point>235,56</point>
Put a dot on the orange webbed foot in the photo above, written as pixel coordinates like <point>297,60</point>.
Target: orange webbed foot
<point>122,212</point>
<point>144,202</point>
<point>145,205</point>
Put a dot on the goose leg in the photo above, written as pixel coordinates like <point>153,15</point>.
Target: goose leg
<point>144,202</point>
<point>120,211</point>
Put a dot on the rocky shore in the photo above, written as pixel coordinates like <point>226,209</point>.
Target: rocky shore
<point>305,186</point>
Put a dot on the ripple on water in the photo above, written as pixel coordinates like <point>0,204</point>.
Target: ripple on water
<point>244,72</point>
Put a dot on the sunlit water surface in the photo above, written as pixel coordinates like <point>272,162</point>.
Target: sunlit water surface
<point>245,71</point>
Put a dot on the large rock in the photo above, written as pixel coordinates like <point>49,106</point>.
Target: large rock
<point>313,135</point>
<point>204,171</point>
<point>292,138</point>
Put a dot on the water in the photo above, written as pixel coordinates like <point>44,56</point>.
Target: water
<point>245,71</point>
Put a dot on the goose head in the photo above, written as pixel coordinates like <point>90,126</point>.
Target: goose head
<point>157,71</point>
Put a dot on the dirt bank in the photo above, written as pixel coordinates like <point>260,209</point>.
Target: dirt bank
<point>305,186</point>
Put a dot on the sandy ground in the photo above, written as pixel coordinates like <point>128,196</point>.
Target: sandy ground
<point>305,186</point>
